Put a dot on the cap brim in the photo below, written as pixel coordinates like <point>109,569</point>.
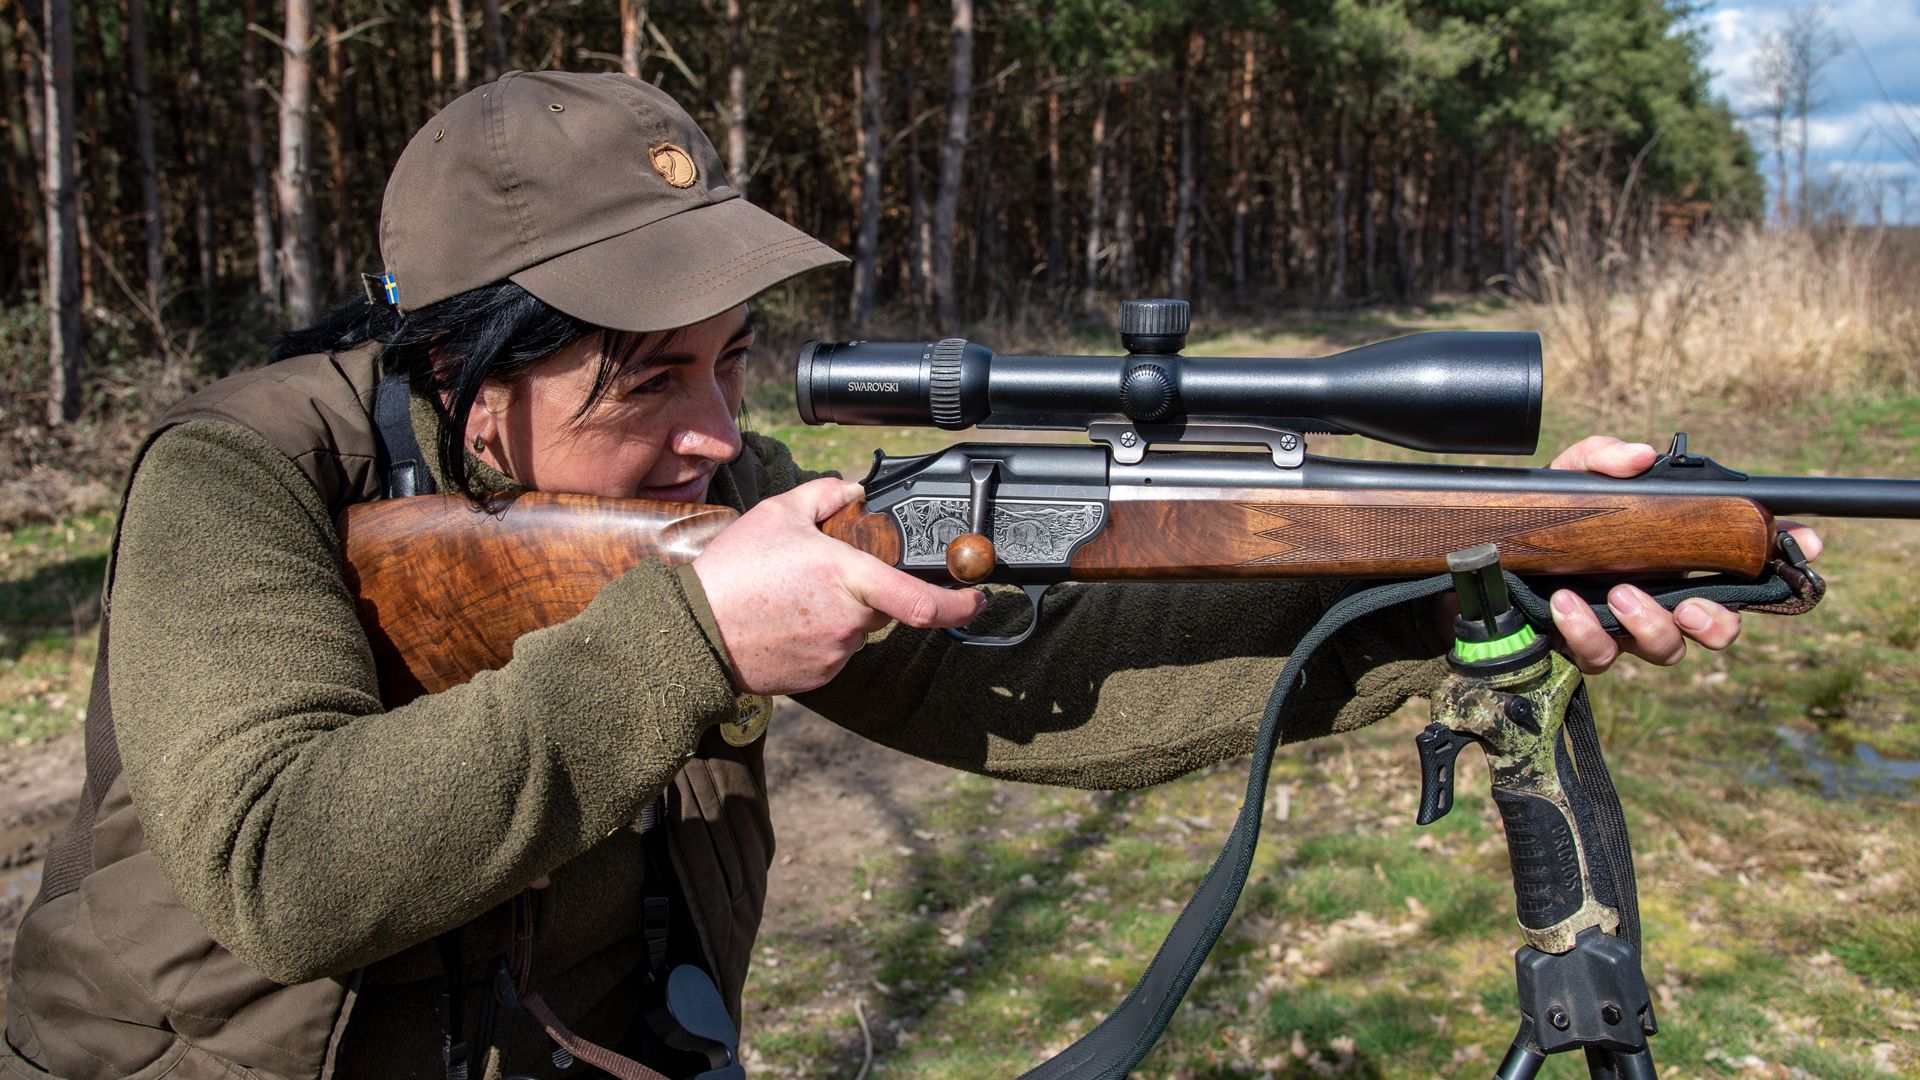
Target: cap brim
<point>679,270</point>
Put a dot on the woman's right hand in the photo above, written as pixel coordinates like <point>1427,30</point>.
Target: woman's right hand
<point>793,604</point>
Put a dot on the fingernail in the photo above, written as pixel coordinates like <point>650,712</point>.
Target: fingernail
<point>1623,601</point>
<point>1565,603</point>
<point>1692,616</point>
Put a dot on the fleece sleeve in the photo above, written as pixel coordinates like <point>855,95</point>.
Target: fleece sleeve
<point>308,829</point>
<point>1123,684</point>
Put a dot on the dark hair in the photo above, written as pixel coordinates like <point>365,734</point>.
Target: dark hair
<point>450,348</point>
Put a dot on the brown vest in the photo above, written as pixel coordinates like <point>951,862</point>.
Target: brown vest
<point>113,979</point>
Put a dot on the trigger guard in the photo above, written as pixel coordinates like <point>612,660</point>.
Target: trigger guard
<point>1034,593</point>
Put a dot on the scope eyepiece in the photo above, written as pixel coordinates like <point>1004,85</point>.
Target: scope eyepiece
<point>1450,392</point>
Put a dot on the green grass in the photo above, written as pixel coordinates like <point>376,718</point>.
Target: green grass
<point>50,593</point>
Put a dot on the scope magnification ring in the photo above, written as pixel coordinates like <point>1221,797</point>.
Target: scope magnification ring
<point>943,383</point>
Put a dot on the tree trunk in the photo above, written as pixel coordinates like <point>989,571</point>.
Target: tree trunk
<point>154,271</point>
<point>493,39</point>
<point>97,147</point>
<point>919,226</point>
<point>66,346</point>
<point>1178,267</point>
<point>1057,269</point>
<point>1303,240</point>
<point>737,163</point>
<point>1475,259</point>
<point>1096,199</point>
<point>946,203</point>
<point>986,276</point>
<point>1369,216</point>
<point>457,26</point>
<point>633,13</point>
<point>866,249</point>
<point>1456,225</point>
<point>337,123</point>
<point>1399,218</point>
<point>265,256</point>
<point>1239,150</point>
<point>1509,209</point>
<point>1342,181</point>
<point>436,55</point>
<point>204,233</point>
<point>23,148</point>
<point>1123,199</point>
<point>299,264</point>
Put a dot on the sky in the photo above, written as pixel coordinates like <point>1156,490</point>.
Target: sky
<point>1847,136</point>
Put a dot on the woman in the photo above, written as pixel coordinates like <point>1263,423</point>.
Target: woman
<point>271,875</point>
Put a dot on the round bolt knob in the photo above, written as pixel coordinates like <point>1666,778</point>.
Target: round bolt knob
<point>1146,393</point>
<point>1558,1017</point>
<point>1155,317</point>
<point>970,558</point>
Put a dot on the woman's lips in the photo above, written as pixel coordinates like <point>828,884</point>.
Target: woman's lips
<point>690,491</point>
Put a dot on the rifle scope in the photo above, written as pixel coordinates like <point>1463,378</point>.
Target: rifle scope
<point>1452,392</point>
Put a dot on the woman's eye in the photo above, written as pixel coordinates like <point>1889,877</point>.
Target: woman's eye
<point>735,360</point>
<point>652,386</point>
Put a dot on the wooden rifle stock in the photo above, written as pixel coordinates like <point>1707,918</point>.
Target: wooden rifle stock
<point>444,588</point>
<point>1212,534</point>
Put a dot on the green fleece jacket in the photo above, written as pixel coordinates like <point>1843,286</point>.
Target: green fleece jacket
<point>313,832</point>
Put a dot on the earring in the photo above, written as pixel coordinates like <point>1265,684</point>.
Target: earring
<point>479,444</point>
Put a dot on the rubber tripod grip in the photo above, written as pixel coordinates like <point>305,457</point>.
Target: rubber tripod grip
<point>1551,883</point>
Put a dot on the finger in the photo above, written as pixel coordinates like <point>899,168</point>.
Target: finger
<point>1592,648</point>
<point>1607,455</point>
<point>823,498</point>
<point>1810,543</point>
<point>1707,623</point>
<point>910,600</point>
<point>1575,456</point>
<point>1652,635</point>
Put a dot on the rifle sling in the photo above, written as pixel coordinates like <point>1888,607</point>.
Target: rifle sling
<point>1116,1044</point>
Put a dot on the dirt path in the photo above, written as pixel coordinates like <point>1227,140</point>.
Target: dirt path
<point>39,786</point>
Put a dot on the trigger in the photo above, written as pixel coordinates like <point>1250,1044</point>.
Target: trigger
<point>1439,745</point>
<point>1034,593</point>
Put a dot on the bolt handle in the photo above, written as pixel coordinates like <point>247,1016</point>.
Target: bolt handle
<point>970,558</point>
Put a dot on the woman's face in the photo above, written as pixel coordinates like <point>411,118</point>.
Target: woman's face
<point>659,431</point>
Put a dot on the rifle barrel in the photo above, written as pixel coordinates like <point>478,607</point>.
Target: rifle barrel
<point>1819,495</point>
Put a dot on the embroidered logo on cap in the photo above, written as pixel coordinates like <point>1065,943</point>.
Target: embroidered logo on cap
<point>674,165</point>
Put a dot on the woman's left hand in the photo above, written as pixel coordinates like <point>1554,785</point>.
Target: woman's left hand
<point>1653,633</point>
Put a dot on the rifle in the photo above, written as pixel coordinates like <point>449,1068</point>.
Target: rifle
<point>1035,515</point>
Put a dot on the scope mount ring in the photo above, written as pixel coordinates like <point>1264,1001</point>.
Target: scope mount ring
<point>1128,441</point>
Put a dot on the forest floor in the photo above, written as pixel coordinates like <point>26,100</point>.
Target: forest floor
<point>923,923</point>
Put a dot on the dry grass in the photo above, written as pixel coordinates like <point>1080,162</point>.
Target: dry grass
<point>1760,316</point>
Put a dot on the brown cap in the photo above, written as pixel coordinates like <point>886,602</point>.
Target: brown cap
<point>596,193</point>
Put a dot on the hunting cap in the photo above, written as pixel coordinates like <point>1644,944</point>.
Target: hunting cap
<point>596,193</point>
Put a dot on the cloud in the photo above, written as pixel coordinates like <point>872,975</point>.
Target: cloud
<point>1848,134</point>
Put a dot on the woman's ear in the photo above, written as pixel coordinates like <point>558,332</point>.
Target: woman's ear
<point>494,399</point>
<point>488,416</point>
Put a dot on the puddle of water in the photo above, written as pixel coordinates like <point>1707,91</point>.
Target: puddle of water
<point>1844,775</point>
